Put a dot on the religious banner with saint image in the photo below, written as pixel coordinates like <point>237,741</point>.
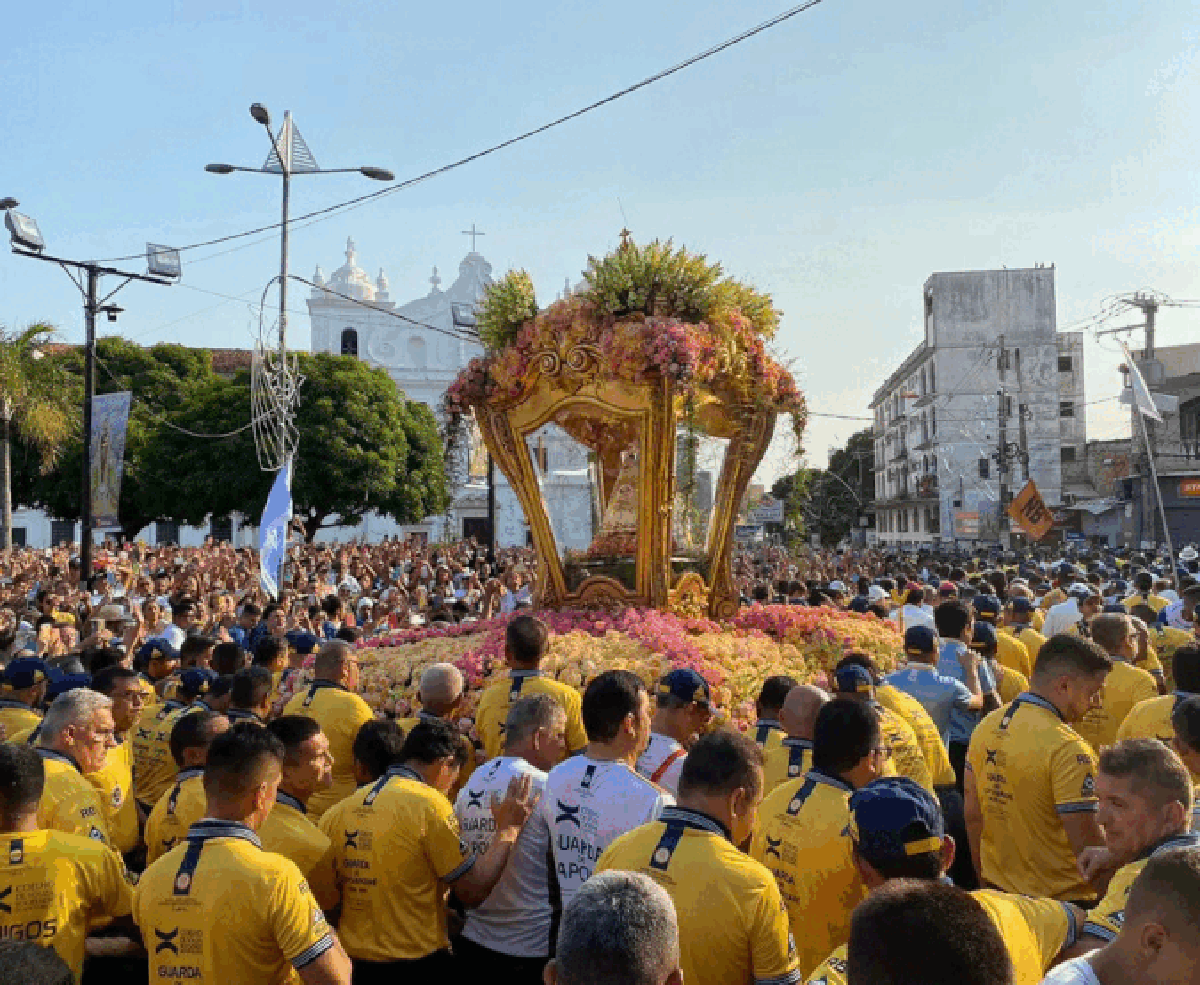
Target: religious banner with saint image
<point>110,416</point>
<point>1029,512</point>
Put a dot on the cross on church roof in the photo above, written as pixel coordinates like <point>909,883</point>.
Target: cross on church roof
<point>473,232</point>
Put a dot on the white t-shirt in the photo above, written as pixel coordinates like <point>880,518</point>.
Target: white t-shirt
<point>1077,971</point>
<point>659,748</point>
<point>515,918</point>
<point>586,806</point>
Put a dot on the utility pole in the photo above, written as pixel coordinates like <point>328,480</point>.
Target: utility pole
<point>1023,438</point>
<point>89,394</point>
<point>1002,460</point>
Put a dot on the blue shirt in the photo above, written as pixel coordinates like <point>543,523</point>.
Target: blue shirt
<point>938,694</point>
<point>962,723</point>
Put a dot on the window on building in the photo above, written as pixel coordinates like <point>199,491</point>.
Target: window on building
<point>1065,364</point>
<point>932,384</point>
<point>1189,427</point>
<point>1067,453</point>
<point>1066,408</point>
<point>18,536</point>
<point>349,342</point>
<point>166,532</point>
<point>220,529</point>
<point>62,532</point>
<point>984,468</point>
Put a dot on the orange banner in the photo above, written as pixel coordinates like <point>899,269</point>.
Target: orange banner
<point>1029,512</point>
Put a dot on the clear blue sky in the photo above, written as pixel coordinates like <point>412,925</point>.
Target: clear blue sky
<point>835,161</point>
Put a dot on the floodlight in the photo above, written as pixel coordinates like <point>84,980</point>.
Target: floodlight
<point>379,174</point>
<point>163,261</point>
<point>8,203</point>
<point>219,168</point>
<point>463,315</point>
<point>260,114</point>
<point>24,231</point>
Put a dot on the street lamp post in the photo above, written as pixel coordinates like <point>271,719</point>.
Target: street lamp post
<point>289,156</point>
<point>162,268</point>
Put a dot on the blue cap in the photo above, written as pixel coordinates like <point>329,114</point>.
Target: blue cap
<point>986,605</point>
<point>853,679</point>
<point>984,634</point>
<point>686,685</point>
<point>24,672</point>
<point>1022,604</point>
<point>860,604</point>
<point>302,642</point>
<point>895,818</point>
<point>196,681</point>
<point>919,639</point>
<point>68,682</point>
<point>158,649</point>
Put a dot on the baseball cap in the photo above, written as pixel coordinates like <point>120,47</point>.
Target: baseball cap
<point>1022,604</point>
<point>919,639</point>
<point>986,605</point>
<point>24,672</point>
<point>157,649</point>
<point>876,593</point>
<point>984,634</point>
<point>301,642</point>
<point>894,818</point>
<point>852,679</point>
<point>196,681</point>
<point>1081,591</point>
<point>686,685</point>
<point>860,604</point>
<point>68,682</point>
<point>947,588</point>
<point>837,586</point>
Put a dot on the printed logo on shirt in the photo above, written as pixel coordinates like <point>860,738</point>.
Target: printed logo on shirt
<point>773,846</point>
<point>117,798</point>
<point>96,834</point>
<point>166,941</point>
<point>588,775</point>
<point>5,893</point>
<point>1089,786</point>
<point>475,798</point>
<point>991,757</point>
<point>567,813</point>
<point>352,839</point>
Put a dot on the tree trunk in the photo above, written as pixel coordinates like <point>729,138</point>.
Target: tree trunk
<point>6,467</point>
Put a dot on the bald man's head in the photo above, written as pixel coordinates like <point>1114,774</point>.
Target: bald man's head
<point>800,708</point>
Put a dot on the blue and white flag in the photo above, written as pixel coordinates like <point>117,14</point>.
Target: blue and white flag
<point>273,531</point>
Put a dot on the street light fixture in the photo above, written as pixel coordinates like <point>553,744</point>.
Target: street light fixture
<point>289,156</point>
<point>27,241</point>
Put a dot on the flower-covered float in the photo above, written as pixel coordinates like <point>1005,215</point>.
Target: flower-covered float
<point>657,361</point>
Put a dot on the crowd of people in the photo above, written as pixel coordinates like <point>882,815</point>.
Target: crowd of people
<point>1013,802</point>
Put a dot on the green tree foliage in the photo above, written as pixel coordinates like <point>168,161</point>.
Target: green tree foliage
<point>829,502</point>
<point>363,446</point>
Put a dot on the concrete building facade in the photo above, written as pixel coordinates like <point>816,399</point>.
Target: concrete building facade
<point>991,369</point>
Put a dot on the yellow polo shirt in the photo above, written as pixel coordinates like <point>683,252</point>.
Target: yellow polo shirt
<point>1009,683</point>
<point>1033,641</point>
<point>1156,602</point>
<point>406,725</point>
<point>1105,920</point>
<point>733,926</point>
<point>54,886</point>
<point>396,846</point>
<point>789,760</point>
<point>1124,687</point>
<point>929,740</point>
<point>1013,653</point>
<point>287,831</point>
<point>1034,931</point>
<point>767,732</point>
<point>16,716</point>
<point>1030,767</point>
<point>69,803</point>
<point>114,785</point>
<point>220,909</point>
<point>153,767</point>
<point>177,810</point>
<point>495,701</point>
<point>340,713</point>
<point>906,753</point>
<point>1151,718</point>
<point>803,836</point>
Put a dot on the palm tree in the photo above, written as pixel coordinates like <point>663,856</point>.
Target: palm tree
<point>34,404</point>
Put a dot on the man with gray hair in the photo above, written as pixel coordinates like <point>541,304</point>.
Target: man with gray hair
<point>440,693</point>
<point>618,929</point>
<point>77,733</point>
<point>509,934</point>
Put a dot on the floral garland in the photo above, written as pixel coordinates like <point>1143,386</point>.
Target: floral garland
<point>734,658</point>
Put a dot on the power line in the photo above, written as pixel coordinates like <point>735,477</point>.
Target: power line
<point>461,337</point>
<point>408,183</point>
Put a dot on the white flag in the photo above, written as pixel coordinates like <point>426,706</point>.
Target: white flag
<point>273,531</point>
<point>1141,393</point>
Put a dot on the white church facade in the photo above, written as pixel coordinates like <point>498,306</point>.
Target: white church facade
<point>423,350</point>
